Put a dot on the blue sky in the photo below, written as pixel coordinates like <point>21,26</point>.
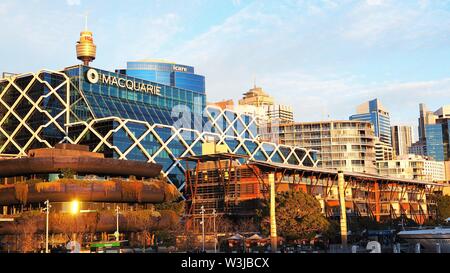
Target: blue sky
<point>322,57</point>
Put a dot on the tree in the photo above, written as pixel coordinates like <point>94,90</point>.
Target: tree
<point>26,227</point>
<point>67,173</point>
<point>177,207</point>
<point>443,207</point>
<point>144,221</point>
<point>298,216</point>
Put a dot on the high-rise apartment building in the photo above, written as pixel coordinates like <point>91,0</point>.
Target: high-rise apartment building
<point>282,113</point>
<point>383,151</point>
<point>257,101</point>
<point>413,167</point>
<point>401,139</point>
<point>426,118</point>
<point>342,145</point>
<point>373,112</point>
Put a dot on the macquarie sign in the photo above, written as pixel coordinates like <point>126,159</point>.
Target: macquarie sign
<point>94,77</point>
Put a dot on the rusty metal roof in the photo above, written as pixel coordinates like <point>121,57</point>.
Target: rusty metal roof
<point>213,157</point>
<point>366,176</point>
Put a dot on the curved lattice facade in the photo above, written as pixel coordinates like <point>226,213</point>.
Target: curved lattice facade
<point>49,107</point>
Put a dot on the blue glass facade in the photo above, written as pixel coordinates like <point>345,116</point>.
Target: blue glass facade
<point>171,74</point>
<point>379,119</point>
<point>438,140</point>
<point>106,100</point>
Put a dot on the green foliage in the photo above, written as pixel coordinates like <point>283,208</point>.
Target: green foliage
<point>298,216</point>
<point>177,207</point>
<point>443,207</point>
<point>26,226</point>
<point>359,224</point>
<point>166,236</point>
<point>67,173</point>
<point>333,231</point>
<point>143,220</point>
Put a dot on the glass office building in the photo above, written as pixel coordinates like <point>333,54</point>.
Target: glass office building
<point>126,117</point>
<point>437,141</point>
<point>373,112</point>
<point>167,73</point>
<point>116,99</point>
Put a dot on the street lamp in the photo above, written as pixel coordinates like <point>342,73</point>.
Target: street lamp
<point>75,207</point>
<point>203,226</point>
<point>47,212</point>
<point>117,234</point>
<point>215,233</point>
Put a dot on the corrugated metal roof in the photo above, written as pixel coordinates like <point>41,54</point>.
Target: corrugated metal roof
<point>274,165</point>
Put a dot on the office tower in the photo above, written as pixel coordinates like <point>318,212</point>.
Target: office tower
<point>373,112</point>
<point>257,101</point>
<point>167,73</point>
<point>426,118</point>
<point>437,135</point>
<point>401,139</point>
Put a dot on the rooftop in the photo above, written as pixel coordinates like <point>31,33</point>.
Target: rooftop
<point>352,175</point>
<point>214,157</point>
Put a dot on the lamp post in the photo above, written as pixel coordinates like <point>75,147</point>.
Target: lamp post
<point>47,212</point>
<point>117,234</point>
<point>202,212</point>
<point>75,210</point>
<point>343,216</point>
<point>273,222</point>
<point>215,233</point>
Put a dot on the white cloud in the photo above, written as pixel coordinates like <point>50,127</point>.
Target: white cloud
<point>382,23</point>
<point>236,2</point>
<point>4,8</point>
<point>73,2</point>
<point>152,35</point>
<point>292,57</point>
<point>302,53</point>
<point>375,2</point>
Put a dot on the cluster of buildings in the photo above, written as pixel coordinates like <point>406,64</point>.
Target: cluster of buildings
<point>384,176</point>
<point>365,143</point>
<point>156,112</point>
<point>152,111</point>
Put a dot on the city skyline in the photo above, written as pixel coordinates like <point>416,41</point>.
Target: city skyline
<point>364,49</point>
<point>232,126</point>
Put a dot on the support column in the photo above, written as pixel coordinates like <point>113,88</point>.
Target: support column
<point>273,224</point>
<point>377,202</point>
<point>343,220</point>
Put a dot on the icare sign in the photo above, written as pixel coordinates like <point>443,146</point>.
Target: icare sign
<point>179,68</point>
<point>94,77</point>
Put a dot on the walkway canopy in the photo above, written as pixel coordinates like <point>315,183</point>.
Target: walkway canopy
<point>291,169</point>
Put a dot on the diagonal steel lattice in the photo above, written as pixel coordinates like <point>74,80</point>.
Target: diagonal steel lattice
<point>225,126</point>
